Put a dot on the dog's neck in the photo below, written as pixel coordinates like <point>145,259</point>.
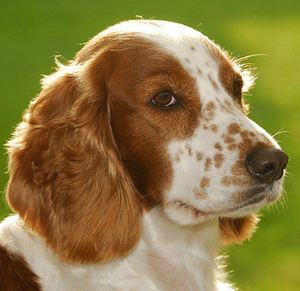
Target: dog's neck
<point>167,257</point>
<point>179,257</point>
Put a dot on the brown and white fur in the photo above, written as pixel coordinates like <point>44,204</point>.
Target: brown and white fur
<point>131,167</point>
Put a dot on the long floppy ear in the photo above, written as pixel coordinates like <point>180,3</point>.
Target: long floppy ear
<point>67,181</point>
<point>236,230</point>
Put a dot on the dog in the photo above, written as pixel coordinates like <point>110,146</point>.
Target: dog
<point>134,164</point>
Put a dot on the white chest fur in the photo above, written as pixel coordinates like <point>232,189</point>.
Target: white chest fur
<point>180,258</point>
<point>168,257</point>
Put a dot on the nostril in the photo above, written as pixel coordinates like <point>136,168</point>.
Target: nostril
<point>259,169</point>
<point>267,164</point>
<point>268,169</point>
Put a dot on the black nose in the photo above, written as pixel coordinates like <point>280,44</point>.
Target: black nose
<point>267,164</point>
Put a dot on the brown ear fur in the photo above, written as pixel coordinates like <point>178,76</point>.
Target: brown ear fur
<point>66,178</point>
<point>236,230</point>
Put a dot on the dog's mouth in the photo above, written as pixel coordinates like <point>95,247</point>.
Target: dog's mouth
<point>258,197</point>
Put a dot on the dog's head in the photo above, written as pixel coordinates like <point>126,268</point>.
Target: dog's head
<point>148,113</point>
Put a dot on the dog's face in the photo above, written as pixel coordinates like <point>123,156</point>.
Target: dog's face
<point>149,113</point>
<point>180,124</point>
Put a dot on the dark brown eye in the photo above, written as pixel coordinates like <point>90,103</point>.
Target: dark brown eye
<point>237,87</point>
<point>164,99</point>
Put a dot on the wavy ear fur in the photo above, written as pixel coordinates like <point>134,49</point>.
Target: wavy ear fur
<point>67,181</point>
<point>236,230</point>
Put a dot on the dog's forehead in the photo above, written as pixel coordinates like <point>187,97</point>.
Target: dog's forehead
<point>182,41</point>
<point>170,30</point>
<point>195,52</point>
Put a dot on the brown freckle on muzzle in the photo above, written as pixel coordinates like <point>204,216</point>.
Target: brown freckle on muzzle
<point>247,134</point>
<point>233,128</point>
<point>205,181</point>
<point>228,139</point>
<point>199,156</point>
<point>214,127</point>
<point>233,180</point>
<point>218,159</point>
<point>244,147</point>
<point>238,168</point>
<point>209,111</point>
<point>210,106</point>
<point>232,147</point>
<point>199,194</point>
<point>218,146</point>
<point>207,164</point>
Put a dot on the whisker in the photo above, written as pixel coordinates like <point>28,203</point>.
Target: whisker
<point>280,131</point>
<point>269,208</point>
<point>284,198</point>
<point>289,174</point>
<point>281,204</point>
<point>241,59</point>
<point>275,205</point>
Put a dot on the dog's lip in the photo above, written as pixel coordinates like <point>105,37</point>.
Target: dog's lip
<point>258,192</point>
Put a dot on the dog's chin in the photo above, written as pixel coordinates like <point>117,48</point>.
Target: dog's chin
<point>183,213</point>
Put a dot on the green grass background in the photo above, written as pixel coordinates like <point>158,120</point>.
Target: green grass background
<point>32,32</point>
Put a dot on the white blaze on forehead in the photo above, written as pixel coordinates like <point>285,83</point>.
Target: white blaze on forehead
<point>168,29</point>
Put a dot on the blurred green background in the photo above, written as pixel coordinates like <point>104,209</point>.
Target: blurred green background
<point>33,31</point>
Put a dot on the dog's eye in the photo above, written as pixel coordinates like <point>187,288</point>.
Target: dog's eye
<point>164,99</point>
<point>237,87</point>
